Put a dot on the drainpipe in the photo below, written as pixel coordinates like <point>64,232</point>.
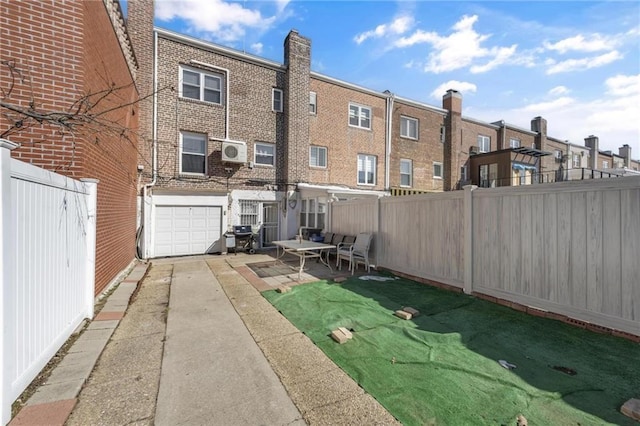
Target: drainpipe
<point>228,78</point>
<point>154,151</point>
<point>388,136</point>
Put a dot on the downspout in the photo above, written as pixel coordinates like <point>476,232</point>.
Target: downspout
<point>154,150</point>
<point>227,92</point>
<point>387,181</point>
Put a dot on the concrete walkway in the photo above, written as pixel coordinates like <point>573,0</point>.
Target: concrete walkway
<point>198,345</point>
<point>213,372</point>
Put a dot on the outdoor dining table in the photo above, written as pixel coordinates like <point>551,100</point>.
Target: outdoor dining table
<point>304,249</point>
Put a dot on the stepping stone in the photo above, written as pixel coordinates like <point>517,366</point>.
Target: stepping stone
<point>414,312</point>
<point>341,335</point>
<point>631,408</point>
<point>402,314</point>
<point>283,289</point>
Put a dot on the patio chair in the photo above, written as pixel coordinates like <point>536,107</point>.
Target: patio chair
<point>335,240</point>
<point>358,252</point>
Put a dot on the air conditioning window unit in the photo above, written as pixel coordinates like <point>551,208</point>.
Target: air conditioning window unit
<point>473,150</point>
<point>234,152</point>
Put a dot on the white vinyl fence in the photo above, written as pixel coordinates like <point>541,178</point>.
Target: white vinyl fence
<point>47,252</point>
<point>571,248</point>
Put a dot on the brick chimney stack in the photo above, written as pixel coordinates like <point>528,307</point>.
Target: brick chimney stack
<point>452,102</point>
<point>140,28</point>
<point>625,152</point>
<point>297,59</point>
<point>592,143</point>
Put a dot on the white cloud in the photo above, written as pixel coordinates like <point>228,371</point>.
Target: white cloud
<point>623,85</point>
<point>461,86</point>
<point>221,20</point>
<point>558,90</point>
<point>613,116</point>
<point>257,48</point>
<point>460,49</point>
<point>593,43</point>
<point>583,63</point>
<point>399,25</point>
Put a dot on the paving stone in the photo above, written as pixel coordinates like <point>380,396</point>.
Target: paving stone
<point>412,311</point>
<point>52,413</point>
<point>402,314</point>
<point>631,408</point>
<point>56,392</point>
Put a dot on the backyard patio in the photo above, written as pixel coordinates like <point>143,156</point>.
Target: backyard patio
<point>444,366</point>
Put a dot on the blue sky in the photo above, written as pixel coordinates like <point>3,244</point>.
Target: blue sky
<point>577,64</point>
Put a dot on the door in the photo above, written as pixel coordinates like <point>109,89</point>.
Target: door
<point>270,229</point>
<point>185,230</point>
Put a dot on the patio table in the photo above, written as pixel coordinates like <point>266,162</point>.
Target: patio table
<point>304,250</point>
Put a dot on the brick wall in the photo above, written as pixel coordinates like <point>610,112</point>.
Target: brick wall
<point>107,156</point>
<point>33,35</point>
<point>251,118</point>
<point>69,49</point>
<point>423,152</point>
<point>330,128</point>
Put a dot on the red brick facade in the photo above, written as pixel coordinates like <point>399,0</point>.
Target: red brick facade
<point>70,49</point>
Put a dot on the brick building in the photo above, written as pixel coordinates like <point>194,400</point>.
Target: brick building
<point>241,140</point>
<point>69,55</point>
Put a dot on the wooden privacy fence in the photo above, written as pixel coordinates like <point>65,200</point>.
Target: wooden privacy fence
<point>47,252</point>
<point>571,248</point>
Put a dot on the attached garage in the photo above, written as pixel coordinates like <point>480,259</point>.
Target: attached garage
<point>187,225</point>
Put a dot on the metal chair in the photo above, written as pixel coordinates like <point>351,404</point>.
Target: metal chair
<point>358,252</point>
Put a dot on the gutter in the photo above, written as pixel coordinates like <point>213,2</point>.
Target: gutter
<point>388,136</point>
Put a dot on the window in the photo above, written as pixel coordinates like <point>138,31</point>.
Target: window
<point>558,154</point>
<point>443,132</point>
<point>359,116</point>
<point>312,212</point>
<point>318,156</point>
<point>313,103</point>
<point>249,212</point>
<point>408,127</point>
<point>265,154</point>
<point>463,173</point>
<point>277,100</point>
<point>366,169</point>
<point>406,172</point>
<point>605,164</point>
<point>576,161</point>
<point>488,175</point>
<point>437,170</point>
<point>200,85</point>
<point>193,153</point>
<point>484,143</point>
<point>514,143</point>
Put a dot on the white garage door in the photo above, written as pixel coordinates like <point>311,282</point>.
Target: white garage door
<point>184,230</point>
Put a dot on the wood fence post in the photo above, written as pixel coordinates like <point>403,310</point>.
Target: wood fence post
<point>7,266</point>
<point>468,238</point>
<point>90,265</point>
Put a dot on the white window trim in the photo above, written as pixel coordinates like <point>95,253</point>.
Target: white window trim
<point>202,74</point>
<point>375,166</point>
<point>558,153</point>
<point>434,170</point>
<point>360,108</point>
<point>326,152</point>
<point>313,100</point>
<point>311,217</point>
<point>605,164</point>
<point>406,161</point>
<point>488,139</point>
<point>255,154</point>
<point>206,147</point>
<point>402,127</point>
<point>511,143</point>
<point>273,100</point>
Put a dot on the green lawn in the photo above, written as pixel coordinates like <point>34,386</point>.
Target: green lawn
<point>442,367</point>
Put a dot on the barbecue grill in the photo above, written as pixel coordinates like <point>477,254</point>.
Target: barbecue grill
<point>244,238</point>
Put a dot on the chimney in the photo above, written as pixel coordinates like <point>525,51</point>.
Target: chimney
<point>297,59</point>
<point>452,101</point>
<point>592,143</point>
<point>625,152</point>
